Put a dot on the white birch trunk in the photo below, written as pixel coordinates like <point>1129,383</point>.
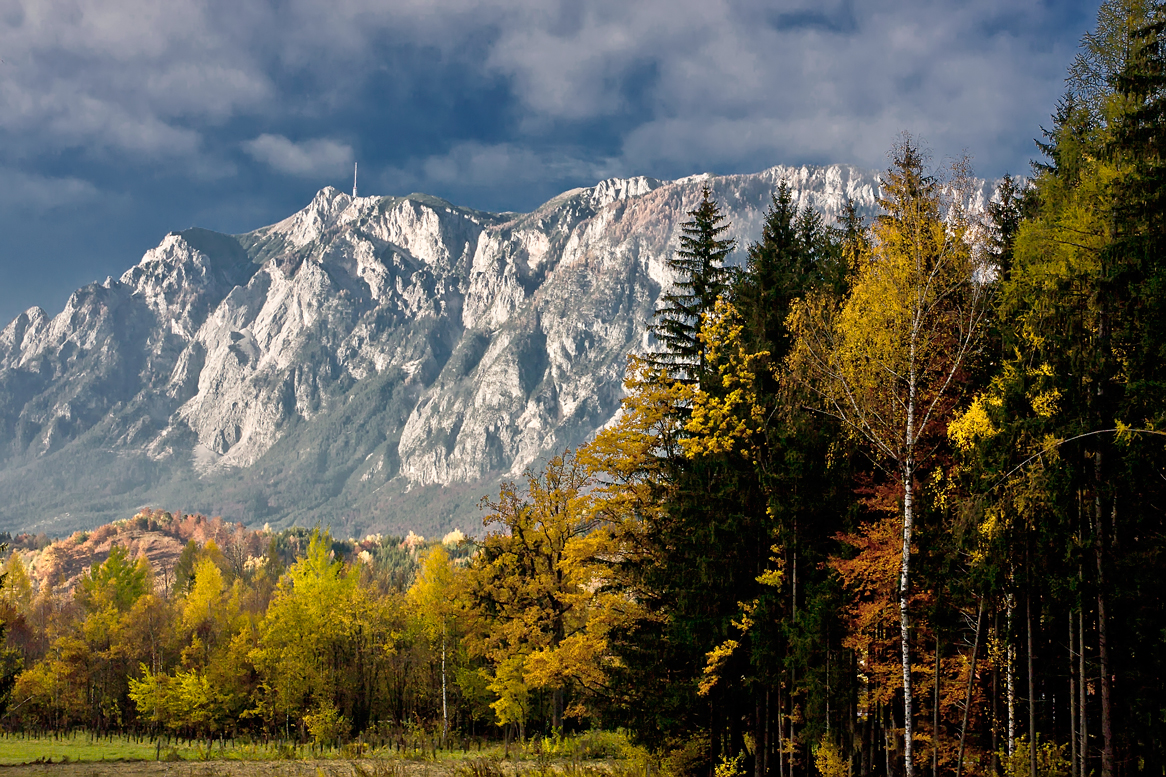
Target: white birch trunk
<point>905,571</point>
<point>1010,683</point>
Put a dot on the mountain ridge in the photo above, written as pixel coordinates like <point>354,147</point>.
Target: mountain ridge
<point>376,363</point>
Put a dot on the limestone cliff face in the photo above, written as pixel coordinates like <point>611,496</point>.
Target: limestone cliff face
<point>378,362</point>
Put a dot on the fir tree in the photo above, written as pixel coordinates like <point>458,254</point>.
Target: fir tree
<point>701,278</point>
<point>796,252</point>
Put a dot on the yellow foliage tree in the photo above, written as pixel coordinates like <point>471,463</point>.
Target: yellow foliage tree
<point>301,633</point>
<point>728,414</point>
<point>433,595</point>
<point>535,595</point>
<point>886,361</point>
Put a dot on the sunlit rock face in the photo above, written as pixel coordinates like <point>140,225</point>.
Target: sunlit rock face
<point>376,363</point>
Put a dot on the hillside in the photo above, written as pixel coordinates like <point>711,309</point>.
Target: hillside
<point>158,536</point>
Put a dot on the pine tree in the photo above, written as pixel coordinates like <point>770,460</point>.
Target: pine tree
<point>702,277</point>
<point>1005,214</point>
<point>1081,322</point>
<point>728,652</point>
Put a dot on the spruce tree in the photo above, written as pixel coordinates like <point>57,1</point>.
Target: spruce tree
<point>797,252</point>
<point>701,274</point>
<point>704,558</point>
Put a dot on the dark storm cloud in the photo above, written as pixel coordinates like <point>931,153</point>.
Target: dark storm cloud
<point>121,121</point>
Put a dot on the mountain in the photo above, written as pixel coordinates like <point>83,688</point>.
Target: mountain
<point>373,364</point>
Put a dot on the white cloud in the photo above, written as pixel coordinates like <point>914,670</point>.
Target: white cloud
<point>121,78</point>
<point>308,158</point>
<point>24,191</point>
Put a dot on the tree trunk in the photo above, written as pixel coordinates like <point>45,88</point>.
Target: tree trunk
<point>995,759</point>
<point>959,761</point>
<point>888,732</point>
<point>780,735</point>
<point>1084,717</point>
<point>1010,681</point>
<point>1031,688</point>
<point>1103,660</point>
<point>793,682</point>
<point>935,713</point>
<point>444,703</point>
<point>1102,626</point>
<point>904,607</point>
<point>760,731</point>
<point>1072,695</point>
<point>793,742</point>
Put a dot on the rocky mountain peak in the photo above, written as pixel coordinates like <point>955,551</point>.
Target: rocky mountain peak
<point>20,333</point>
<point>606,192</point>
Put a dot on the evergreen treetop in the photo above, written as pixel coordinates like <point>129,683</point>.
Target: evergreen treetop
<point>701,277</point>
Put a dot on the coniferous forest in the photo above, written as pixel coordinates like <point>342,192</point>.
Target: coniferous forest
<point>888,499</point>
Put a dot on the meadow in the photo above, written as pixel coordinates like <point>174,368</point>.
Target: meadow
<point>83,754</point>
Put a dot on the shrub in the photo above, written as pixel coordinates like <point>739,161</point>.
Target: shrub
<point>326,725</point>
<point>689,758</point>
<point>731,767</point>
<point>1050,760</point>
<point>479,767</point>
<point>828,758</point>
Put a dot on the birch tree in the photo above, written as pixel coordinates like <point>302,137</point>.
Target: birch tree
<point>887,360</point>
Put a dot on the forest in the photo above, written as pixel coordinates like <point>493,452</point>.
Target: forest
<point>888,499</point>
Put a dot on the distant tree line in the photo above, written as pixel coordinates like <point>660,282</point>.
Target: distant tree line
<point>291,643</point>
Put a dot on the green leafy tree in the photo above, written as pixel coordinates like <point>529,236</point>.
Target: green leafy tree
<point>1082,309</point>
<point>433,594</point>
<point>117,582</point>
<point>324,642</point>
<point>17,595</point>
<point>300,634</point>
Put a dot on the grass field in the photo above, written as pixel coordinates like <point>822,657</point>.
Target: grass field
<point>78,754</point>
<point>214,769</point>
<point>81,746</point>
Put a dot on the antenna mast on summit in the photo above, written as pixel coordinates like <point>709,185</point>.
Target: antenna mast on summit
<point>354,166</point>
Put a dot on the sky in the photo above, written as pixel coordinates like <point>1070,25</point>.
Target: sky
<point>122,120</point>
